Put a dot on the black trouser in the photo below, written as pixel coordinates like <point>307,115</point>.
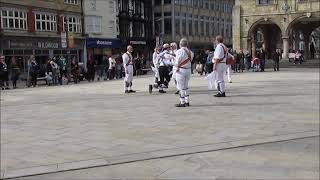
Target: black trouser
<point>241,66</point>
<point>111,73</point>
<point>91,73</point>
<point>4,80</point>
<point>164,75</point>
<point>262,64</point>
<point>209,67</point>
<point>276,65</point>
<point>14,79</point>
<point>33,79</point>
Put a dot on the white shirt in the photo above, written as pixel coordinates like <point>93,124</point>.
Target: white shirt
<point>155,59</point>
<point>112,63</point>
<point>219,53</point>
<point>164,58</point>
<point>181,56</point>
<point>126,57</point>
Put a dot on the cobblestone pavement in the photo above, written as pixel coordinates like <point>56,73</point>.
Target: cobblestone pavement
<point>294,160</point>
<point>60,128</point>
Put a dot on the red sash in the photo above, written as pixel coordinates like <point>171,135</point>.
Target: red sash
<point>130,60</point>
<point>186,60</point>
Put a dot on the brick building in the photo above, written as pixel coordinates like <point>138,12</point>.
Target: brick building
<point>45,28</point>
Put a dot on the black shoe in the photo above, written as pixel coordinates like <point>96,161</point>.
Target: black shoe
<point>126,91</point>
<point>131,91</point>
<point>220,95</point>
<point>177,92</point>
<point>187,104</point>
<point>162,91</point>
<point>180,105</point>
<point>150,88</point>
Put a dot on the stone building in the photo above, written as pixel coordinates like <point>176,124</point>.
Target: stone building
<point>197,20</point>
<point>41,28</point>
<point>275,24</point>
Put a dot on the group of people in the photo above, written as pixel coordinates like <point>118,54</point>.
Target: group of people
<point>171,62</point>
<point>5,71</point>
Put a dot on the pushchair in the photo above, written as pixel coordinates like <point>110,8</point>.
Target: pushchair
<point>255,64</point>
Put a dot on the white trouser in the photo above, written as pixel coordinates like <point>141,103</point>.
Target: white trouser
<point>182,78</point>
<point>156,74</point>
<point>228,71</point>
<point>128,77</point>
<point>221,68</point>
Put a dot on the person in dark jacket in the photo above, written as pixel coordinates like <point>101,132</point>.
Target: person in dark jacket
<point>247,60</point>
<point>276,58</point>
<point>262,58</point>
<point>241,61</point>
<point>4,74</point>
<point>75,70</point>
<point>33,70</point>
<point>15,72</point>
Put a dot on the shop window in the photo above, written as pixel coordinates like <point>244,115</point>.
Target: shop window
<point>13,19</point>
<point>74,2</point>
<point>28,52</point>
<point>46,22</point>
<point>73,24</point>
<point>18,52</point>
<point>57,52</point>
<point>64,52</point>
<point>45,51</point>
<point>37,52</point>
<point>73,52</point>
<point>8,52</point>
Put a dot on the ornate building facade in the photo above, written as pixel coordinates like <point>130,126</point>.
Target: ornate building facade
<point>288,25</point>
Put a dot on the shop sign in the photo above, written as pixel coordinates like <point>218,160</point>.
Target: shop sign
<point>63,40</point>
<point>138,42</point>
<point>70,40</point>
<point>48,45</point>
<point>103,43</point>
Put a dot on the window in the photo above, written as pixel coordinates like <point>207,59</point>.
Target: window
<point>75,2</point>
<point>73,23</point>
<point>93,24</point>
<point>13,19</point>
<point>265,1</point>
<point>46,22</point>
<point>167,26</point>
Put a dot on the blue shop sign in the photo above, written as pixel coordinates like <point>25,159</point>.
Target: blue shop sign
<point>103,43</point>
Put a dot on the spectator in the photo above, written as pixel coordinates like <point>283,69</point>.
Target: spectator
<point>236,65</point>
<point>106,65</point>
<point>241,60</point>
<point>112,67</point>
<point>298,57</point>
<point>312,50</point>
<point>119,66</point>
<point>4,74</point>
<point>49,72</point>
<point>262,58</point>
<point>247,59</point>
<point>75,70</point>
<point>63,65</point>
<point>33,70</point>
<point>209,63</point>
<point>276,58</point>
<point>91,69</point>
<point>137,64</point>
<point>15,72</point>
<point>55,71</point>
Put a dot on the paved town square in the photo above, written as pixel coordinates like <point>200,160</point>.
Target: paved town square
<point>268,123</point>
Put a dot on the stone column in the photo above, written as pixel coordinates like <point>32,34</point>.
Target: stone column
<point>285,53</point>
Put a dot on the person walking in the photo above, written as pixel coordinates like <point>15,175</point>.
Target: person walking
<point>155,68</point>
<point>128,68</point>
<point>219,60</point>
<point>183,63</point>
<point>15,72</point>
<point>4,74</point>
<point>173,50</point>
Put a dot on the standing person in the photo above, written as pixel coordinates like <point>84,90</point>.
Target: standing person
<point>75,70</point>
<point>49,72</point>
<point>236,65</point>
<point>119,62</point>
<point>106,66</point>
<point>173,50</point>
<point>91,69</point>
<point>209,64</point>
<point>247,59</point>
<point>155,68</point>
<point>137,64</point>
<point>276,58</point>
<point>128,68</point>
<point>4,74</point>
<point>164,62</point>
<point>112,67</point>
<point>34,69</point>
<point>63,65</point>
<point>55,71</point>
<point>312,50</point>
<point>184,57</point>
<point>15,72</point>
<point>241,60</point>
<point>262,59</point>
<point>219,60</point>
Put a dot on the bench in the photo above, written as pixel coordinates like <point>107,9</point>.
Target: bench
<point>42,79</point>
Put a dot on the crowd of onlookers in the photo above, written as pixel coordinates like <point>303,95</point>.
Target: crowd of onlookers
<point>61,70</point>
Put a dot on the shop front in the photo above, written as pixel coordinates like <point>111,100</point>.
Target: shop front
<point>98,49</point>
<point>21,48</point>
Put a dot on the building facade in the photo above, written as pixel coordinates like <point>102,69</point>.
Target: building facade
<point>101,29</point>
<point>197,20</point>
<point>41,28</point>
<point>135,25</point>
<point>288,25</point>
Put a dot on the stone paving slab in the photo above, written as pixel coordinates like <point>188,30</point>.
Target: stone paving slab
<point>55,125</point>
<point>294,159</point>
